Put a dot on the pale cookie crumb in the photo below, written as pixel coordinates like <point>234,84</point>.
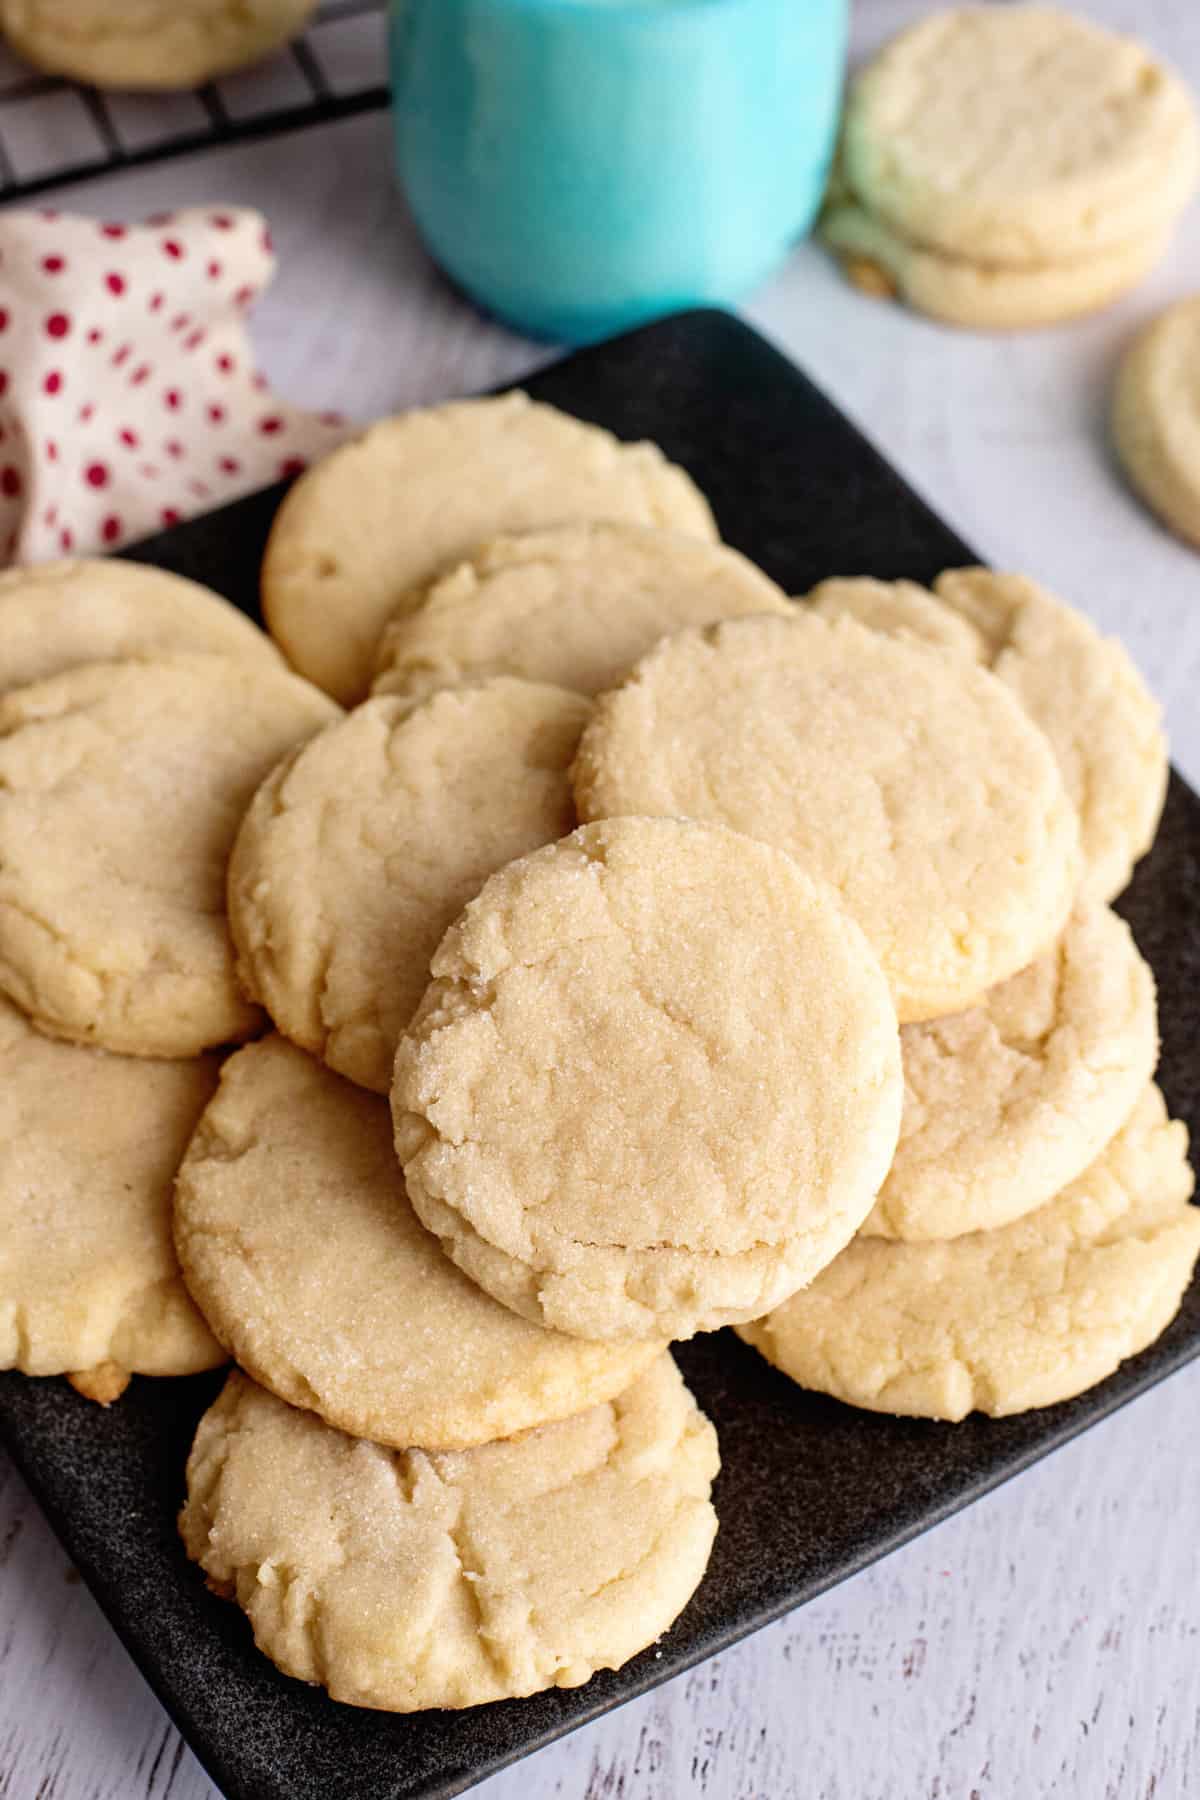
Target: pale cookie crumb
<point>103,1384</point>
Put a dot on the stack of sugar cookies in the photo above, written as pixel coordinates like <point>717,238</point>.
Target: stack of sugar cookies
<point>1009,166</point>
<point>724,962</point>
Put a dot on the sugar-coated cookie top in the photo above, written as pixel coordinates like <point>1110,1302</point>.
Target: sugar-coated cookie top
<point>910,781</point>
<point>1083,690</point>
<point>1004,1320</point>
<point>360,849</point>
<point>402,1580</point>
<point>364,531</point>
<point>55,616</point>
<point>1019,134</point>
<point>121,789</point>
<point>576,606</point>
<point>1007,1103</point>
<point>89,1145</point>
<point>654,1045</point>
<point>326,1287</point>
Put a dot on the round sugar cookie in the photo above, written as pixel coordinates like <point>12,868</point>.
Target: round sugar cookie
<point>300,1247</point>
<point>657,1077</point>
<point>1005,1320</point>
<point>148,43</point>
<point>403,1580</point>
<point>364,531</point>
<point>983,296</point>
<point>911,782</point>
<point>121,788</point>
<point>55,616</point>
<point>1018,135</point>
<point>1004,1105</point>
<point>576,606</point>
<point>901,608</point>
<point>360,849</point>
<point>1156,416</point>
<point>89,1145</point>
<point>1083,690</point>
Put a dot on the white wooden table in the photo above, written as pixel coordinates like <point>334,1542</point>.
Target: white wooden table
<point>1047,1641</point>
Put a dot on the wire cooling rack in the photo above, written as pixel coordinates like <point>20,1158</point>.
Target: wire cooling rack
<point>52,132</point>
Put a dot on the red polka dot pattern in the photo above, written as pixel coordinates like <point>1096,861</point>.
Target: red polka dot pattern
<point>112,334</point>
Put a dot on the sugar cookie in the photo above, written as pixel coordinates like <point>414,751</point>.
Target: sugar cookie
<point>361,848</point>
<point>298,1243</point>
<point>1020,135</point>
<point>1006,1104</point>
<point>1103,723</point>
<point>148,43</point>
<point>576,606</point>
<point>54,616</point>
<point>910,781</point>
<point>1001,1321</point>
<point>89,1144</point>
<point>121,788</point>
<point>402,1580</point>
<point>982,296</point>
<point>343,555</point>
<point>657,1077</point>
<point>1156,416</point>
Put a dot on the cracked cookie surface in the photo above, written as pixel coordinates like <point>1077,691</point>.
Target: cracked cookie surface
<point>55,616</point>
<point>576,606</point>
<point>122,785</point>
<point>1000,1321</point>
<point>1007,1103</point>
<point>401,1579</point>
<point>360,849</point>
<point>299,1245</point>
<point>343,556</point>
<point>89,1145</point>
<point>1083,690</point>
<point>656,1078</point>
<point>911,782</point>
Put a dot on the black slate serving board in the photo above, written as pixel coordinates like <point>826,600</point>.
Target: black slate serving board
<point>810,1491</point>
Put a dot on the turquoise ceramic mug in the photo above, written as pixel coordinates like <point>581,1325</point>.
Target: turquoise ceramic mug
<point>579,166</point>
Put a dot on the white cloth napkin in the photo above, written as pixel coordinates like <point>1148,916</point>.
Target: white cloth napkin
<point>128,393</point>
